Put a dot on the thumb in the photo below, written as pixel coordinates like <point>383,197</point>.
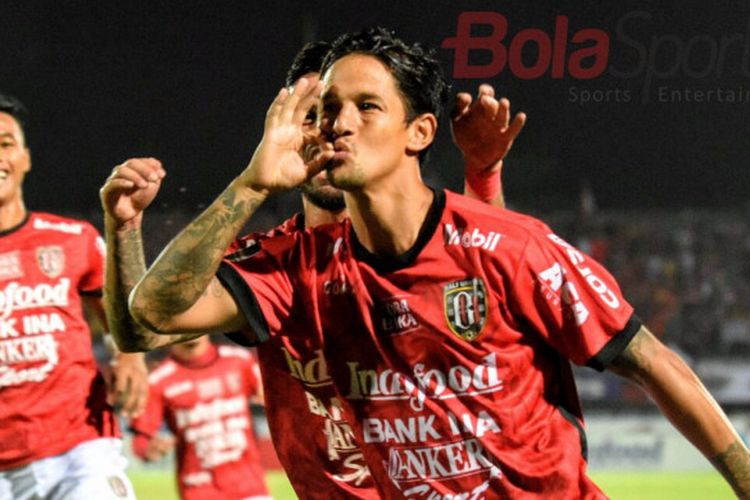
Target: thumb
<point>319,161</point>
<point>461,106</point>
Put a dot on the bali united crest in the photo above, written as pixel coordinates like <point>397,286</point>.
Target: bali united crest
<point>51,260</point>
<point>465,307</point>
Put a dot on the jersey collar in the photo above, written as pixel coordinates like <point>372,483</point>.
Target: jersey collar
<point>394,263</point>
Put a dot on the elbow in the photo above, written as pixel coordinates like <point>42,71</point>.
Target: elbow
<point>151,316</point>
<point>143,315</point>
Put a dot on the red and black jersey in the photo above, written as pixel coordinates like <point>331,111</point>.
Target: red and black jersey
<point>450,361</point>
<point>53,397</point>
<point>300,398</point>
<point>205,404</point>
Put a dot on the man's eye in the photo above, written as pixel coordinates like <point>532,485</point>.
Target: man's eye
<point>366,106</point>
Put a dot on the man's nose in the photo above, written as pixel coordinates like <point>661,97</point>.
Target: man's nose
<point>343,125</point>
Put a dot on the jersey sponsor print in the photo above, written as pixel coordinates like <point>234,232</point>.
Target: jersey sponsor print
<point>53,397</point>
<point>451,362</point>
<point>319,454</point>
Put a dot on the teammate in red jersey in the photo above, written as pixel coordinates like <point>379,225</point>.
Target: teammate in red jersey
<point>58,433</point>
<point>328,462</point>
<point>446,327</point>
<point>203,392</point>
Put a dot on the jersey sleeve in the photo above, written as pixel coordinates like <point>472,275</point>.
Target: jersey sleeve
<point>259,280</point>
<point>572,301</point>
<point>94,253</point>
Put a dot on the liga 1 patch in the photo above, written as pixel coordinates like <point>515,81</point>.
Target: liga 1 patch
<point>465,303</point>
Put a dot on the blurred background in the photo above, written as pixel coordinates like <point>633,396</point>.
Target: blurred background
<point>636,146</point>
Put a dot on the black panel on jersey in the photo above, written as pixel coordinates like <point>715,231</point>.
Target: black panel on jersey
<point>247,303</point>
<point>616,345</point>
<point>393,263</point>
<point>581,433</point>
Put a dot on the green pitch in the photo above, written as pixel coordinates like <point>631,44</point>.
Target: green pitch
<point>619,486</point>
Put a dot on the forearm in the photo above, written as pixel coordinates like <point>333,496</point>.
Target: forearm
<point>187,265</point>
<point>484,182</point>
<point>125,266</point>
<point>684,400</point>
<point>693,411</point>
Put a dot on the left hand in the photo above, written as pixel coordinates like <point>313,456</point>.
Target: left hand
<point>482,129</point>
<point>128,384</point>
<point>130,188</point>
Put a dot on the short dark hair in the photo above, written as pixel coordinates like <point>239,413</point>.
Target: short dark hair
<point>418,74</point>
<point>13,107</point>
<point>308,60</point>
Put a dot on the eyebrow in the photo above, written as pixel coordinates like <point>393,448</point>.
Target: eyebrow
<point>362,96</point>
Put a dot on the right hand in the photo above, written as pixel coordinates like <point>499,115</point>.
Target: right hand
<point>158,446</point>
<point>277,164</point>
<point>483,129</point>
<point>131,188</point>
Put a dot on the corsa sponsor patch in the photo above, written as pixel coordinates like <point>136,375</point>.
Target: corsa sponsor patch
<point>465,303</point>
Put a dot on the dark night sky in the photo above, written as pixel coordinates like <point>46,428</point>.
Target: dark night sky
<point>189,84</point>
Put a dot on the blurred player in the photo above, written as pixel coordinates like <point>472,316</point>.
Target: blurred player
<point>58,432</point>
<point>326,462</point>
<point>446,327</point>
<point>203,392</point>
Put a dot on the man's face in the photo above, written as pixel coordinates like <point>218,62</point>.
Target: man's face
<point>15,160</point>
<point>364,119</point>
<point>318,190</point>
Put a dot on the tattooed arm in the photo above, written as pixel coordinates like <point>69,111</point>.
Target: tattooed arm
<point>127,192</point>
<point>684,400</point>
<point>179,292</point>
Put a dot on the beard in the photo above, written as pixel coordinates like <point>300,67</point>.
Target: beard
<point>325,197</point>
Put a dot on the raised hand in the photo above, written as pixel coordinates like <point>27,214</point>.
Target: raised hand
<point>482,129</point>
<point>130,188</point>
<point>277,163</point>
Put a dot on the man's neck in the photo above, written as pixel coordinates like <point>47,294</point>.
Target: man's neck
<point>387,221</point>
<point>12,214</point>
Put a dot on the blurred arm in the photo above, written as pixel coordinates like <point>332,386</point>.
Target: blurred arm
<point>684,400</point>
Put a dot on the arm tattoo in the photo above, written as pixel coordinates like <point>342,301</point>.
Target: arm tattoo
<point>734,465</point>
<point>185,268</point>
<point>125,265</point>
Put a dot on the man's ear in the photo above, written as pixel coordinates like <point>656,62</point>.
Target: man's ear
<point>422,131</point>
